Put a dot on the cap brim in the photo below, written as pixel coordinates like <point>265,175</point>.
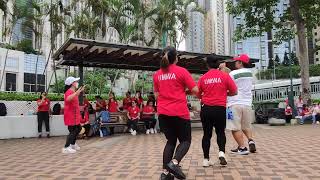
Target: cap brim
<point>76,79</point>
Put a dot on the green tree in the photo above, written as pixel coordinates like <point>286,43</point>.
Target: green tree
<point>294,59</point>
<point>286,60</point>
<point>260,16</point>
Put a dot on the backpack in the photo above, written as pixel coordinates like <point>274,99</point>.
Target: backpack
<point>105,116</point>
<point>3,109</point>
<point>56,109</point>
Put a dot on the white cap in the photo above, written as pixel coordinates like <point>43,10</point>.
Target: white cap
<point>70,80</point>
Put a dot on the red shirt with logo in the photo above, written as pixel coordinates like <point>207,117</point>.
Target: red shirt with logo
<point>148,109</point>
<point>134,112</point>
<point>44,106</point>
<point>112,106</point>
<point>171,85</point>
<point>72,114</point>
<point>214,87</point>
<point>102,106</point>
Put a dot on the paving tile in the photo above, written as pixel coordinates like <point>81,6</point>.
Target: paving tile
<point>124,157</point>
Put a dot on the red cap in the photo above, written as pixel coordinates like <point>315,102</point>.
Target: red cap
<point>243,58</point>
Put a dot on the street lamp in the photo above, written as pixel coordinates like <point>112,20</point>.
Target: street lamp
<point>291,93</point>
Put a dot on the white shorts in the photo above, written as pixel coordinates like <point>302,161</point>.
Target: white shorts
<point>243,117</point>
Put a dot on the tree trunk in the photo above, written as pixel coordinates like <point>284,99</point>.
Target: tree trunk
<point>302,50</point>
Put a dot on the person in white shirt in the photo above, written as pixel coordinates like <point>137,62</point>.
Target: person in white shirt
<point>315,113</point>
<point>241,106</point>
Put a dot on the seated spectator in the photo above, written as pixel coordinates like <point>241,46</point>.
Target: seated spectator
<point>316,113</point>
<point>101,105</point>
<point>113,105</point>
<point>306,114</point>
<point>139,99</point>
<point>288,113</point>
<point>84,121</point>
<point>299,105</point>
<point>127,101</point>
<point>133,118</point>
<point>148,116</point>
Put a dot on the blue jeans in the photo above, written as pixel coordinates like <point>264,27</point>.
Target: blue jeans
<point>308,117</point>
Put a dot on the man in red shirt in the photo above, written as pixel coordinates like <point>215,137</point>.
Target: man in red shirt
<point>43,113</point>
<point>214,86</point>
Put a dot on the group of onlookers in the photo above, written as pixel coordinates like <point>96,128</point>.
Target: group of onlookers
<point>304,111</point>
<point>133,105</point>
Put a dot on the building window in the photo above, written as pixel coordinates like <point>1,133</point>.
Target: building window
<point>30,82</point>
<point>317,59</point>
<point>12,62</point>
<point>11,82</point>
<point>317,53</point>
<point>315,33</point>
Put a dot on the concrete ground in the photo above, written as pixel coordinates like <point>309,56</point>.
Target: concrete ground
<point>284,152</point>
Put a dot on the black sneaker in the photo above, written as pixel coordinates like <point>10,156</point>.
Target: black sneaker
<point>39,136</point>
<point>252,146</point>
<point>176,170</point>
<point>240,151</point>
<point>166,176</point>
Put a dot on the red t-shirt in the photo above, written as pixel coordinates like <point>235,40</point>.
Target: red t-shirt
<point>171,84</point>
<point>213,88</point>
<point>139,101</point>
<point>127,102</point>
<point>288,111</point>
<point>112,106</point>
<point>72,114</point>
<point>86,104</point>
<point>305,112</point>
<point>44,106</point>
<point>134,112</point>
<point>103,106</point>
<point>148,109</point>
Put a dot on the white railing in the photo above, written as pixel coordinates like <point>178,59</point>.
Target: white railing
<point>281,93</point>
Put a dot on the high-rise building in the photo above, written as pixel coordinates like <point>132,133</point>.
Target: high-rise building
<point>195,40</point>
<point>257,47</point>
<point>316,42</point>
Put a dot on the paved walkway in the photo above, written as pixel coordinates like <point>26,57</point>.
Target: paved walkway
<point>291,152</point>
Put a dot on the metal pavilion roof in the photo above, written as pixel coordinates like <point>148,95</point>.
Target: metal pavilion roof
<point>91,53</point>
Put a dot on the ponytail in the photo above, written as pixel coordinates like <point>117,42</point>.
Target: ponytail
<point>164,61</point>
<point>169,56</point>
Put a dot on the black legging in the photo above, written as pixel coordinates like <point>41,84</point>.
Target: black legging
<point>175,128</point>
<point>213,116</point>
<point>149,122</point>
<point>73,133</point>
<point>43,116</point>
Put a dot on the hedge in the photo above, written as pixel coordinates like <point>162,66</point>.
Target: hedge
<point>282,72</point>
<point>17,96</point>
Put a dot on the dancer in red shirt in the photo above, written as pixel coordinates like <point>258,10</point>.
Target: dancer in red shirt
<point>133,117</point>
<point>214,86</point>
<point>72,114</point>
<point>170,84</point>
<point>43,113</point>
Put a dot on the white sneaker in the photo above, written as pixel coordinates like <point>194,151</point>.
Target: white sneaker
<point>131,131</point>
<point>134,133</point>
<point>207,163</point>
<point>148,131</point>
<point>68,150</point>
<point>75,147</point>
<point>222,159</point>
<point>155,131</point>
<point>152,131</point>
<point>318,122</point>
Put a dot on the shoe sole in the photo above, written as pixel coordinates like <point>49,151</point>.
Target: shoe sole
<point>240,153</point>
<point>252,148</point>
<point>175,174</point>
<point>223,161</point>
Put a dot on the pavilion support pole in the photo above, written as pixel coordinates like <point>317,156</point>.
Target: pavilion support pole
<point>81,83</point>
